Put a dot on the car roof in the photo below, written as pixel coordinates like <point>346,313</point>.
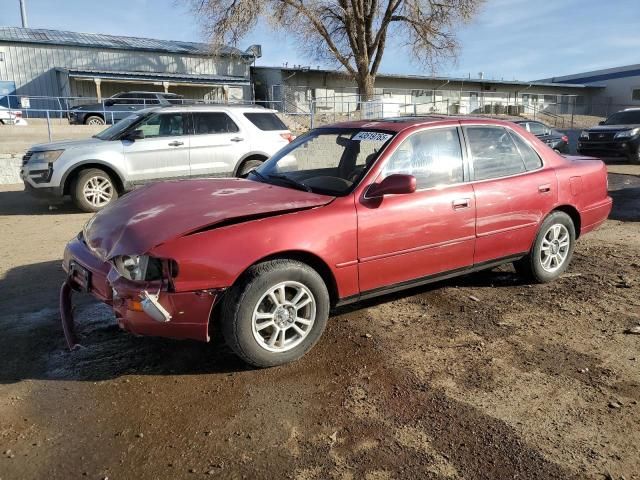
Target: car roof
<point>399,124</point>
<point>212,107</point>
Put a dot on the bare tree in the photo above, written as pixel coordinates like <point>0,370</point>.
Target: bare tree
<point>352,32</point>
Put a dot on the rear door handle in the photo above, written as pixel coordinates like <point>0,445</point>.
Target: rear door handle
<point>461,203</point>
<point>237,139</point>
<point>176,144</point>
<point>544,188</point>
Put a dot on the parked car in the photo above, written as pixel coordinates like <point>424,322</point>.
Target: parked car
<point>119,106</point>
<point>342,213</point>
<point>9,116</point>
<point>553,138</point>
<point>617,136</point>
<point>154,144</point>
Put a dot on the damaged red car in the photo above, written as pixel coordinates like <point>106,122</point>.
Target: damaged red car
<point>343,213</point>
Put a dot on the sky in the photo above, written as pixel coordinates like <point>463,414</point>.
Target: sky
<point>508,39</point>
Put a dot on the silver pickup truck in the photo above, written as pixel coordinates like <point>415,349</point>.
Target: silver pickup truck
<point>154,144</point>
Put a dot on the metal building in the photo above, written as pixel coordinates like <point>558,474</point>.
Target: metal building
<point>619,86</point>
<point>298,89</point>
<point>51,63</point>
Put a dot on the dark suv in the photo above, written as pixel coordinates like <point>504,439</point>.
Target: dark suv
<point>119,106</point>
<point>617,136</point>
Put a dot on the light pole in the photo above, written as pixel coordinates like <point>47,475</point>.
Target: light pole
<point>23,13</point>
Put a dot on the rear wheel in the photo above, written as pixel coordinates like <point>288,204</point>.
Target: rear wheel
<point>552,250</point>
<point>276,313</point>
<point>249,165</point>
<point>93,189</point>
<point>94,120</point>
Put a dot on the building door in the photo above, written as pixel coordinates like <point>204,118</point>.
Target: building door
<point>473,102</point>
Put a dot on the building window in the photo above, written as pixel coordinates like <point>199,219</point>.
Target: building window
<point>635,94</point>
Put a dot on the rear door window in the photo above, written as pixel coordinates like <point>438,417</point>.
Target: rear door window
<point>173,99</point>
<point>537,128</point>
<point>266,121</point>
<point>206,123</point>
<point>494,152</point>
<point>148,98</point>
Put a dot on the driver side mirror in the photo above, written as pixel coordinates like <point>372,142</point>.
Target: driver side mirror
<point>396,184</point>
<point>134,135</point>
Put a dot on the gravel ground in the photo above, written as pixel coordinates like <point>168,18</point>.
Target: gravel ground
<point>479,377</point>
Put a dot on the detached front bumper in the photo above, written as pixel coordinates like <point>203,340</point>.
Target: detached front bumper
<point>188,312</point>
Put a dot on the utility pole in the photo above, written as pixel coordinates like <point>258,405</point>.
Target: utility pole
<point>23,13</point>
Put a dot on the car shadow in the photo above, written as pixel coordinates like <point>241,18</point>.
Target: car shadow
<point>625,192</point>
<point>33,344</point>
<point>19,202</point>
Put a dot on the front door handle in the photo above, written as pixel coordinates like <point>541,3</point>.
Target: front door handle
<point>237,139</point>
<point>461,203</point>
<point>544,188</point>
<point>176,144</point>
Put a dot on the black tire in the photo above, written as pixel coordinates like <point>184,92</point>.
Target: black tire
<point>247,166</point>
<point>531,266</point>
<point>82,201</point>
<point>246,296</point>
<point>94,120</point>
<point>635,158</point>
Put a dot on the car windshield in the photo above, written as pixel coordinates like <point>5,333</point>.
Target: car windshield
<point>326,161</point>
<point>119,127</point>
<point>630,117</point>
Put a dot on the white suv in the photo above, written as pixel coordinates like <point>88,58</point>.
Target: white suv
<point>154,144</point>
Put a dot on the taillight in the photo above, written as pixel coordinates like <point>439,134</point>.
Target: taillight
<point>565,139</point>
<point>289,137</point>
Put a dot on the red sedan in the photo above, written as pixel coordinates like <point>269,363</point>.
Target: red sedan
<point>343,213</point>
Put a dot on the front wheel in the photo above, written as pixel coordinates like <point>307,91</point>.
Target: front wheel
<point>248,166</point>
<point>552,250</point>
<point>275,313</point>
<point>93,189</point>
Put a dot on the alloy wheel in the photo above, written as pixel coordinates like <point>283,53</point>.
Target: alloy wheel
<point>555,247</point>
<point>284,316</point>
<point>98,191</point>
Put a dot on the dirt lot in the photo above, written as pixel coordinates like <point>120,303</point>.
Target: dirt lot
<point>478,377</point>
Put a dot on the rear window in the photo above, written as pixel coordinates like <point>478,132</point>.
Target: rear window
<point>266,121</point>
<point>173,98</point>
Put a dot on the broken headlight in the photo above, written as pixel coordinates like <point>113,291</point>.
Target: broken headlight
<point>138,267</point>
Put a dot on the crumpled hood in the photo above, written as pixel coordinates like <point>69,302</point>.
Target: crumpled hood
<point>155,214</point>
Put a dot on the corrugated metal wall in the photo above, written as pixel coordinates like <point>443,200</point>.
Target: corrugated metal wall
<point>32,67</point>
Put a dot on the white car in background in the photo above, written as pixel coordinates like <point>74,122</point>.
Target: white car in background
<point>11,117</point>
<point>160,143</point>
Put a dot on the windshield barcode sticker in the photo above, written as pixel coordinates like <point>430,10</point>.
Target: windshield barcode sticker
<point>371,137</point>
